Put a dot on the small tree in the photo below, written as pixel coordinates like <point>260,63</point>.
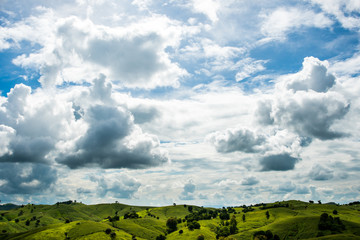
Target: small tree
<point>201,237</point>
<point>243,217</point>
<point>267,215</point>
<point>233,225</point>
<point>171,224</point>
<point>181,231</point>
<point>108,231</point>
<point>113,235</point>
<point>335,212</point>
<point>160,237</point>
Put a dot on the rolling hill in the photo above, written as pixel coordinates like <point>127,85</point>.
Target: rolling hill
<point>280,220</point>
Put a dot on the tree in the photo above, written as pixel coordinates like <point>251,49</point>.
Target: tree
<point>113,235</point>
<point>335,212</point>
<point>171,224</point>
<point>160,237</point>
<point>319,201</point>
<point>200,237</point>
<point>233,225</point>
<point>267,215</point>
<point>181,231</point>
<point>108,231</point>
<point>243,217</point>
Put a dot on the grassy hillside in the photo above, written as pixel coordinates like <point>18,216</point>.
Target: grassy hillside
<point>286,220</point>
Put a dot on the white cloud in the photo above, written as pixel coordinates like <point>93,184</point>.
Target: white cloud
<point>344,10</point>
<point>280,22</point>
<point>76,50</point>
<point>207,7</point>
<point>313,76</point>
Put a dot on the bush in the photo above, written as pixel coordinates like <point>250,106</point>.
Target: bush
<point>27,223</point>
<point>335,212</point>
<point>200,237</point>
<point>160,237</point>
<point>108,231</point>
<point>181,231</point>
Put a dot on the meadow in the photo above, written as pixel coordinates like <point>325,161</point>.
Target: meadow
<point>279,220</point>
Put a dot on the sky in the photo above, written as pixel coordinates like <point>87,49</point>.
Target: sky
<point>206,102</point>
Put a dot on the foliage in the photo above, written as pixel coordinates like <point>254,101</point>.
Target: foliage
<point>233,225</point>
<point>327,222</point>
<point>171,224</point>
<point>131,214</point>
<point>160,237</point>
<point>265,235</point>
<point>193,225</point>
<point>200,237</point>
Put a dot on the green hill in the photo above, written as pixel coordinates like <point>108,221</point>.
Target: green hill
<point>280,220</point>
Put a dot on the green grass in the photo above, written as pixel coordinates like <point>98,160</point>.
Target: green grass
<point>297,221</point>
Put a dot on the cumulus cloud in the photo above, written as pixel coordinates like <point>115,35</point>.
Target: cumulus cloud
<point>278,162</point>
<point>312,109</point>
<point>113,141</point>
<point>314,76</point>
<point>26,178</point>
<point>311,115</point>
<point>119,185</point>
<point>79,128</point>
<point>239,139</point>
<point>34,125</point>
<point>131,56</point>
<point>320,173</point>
<point>188,191</point>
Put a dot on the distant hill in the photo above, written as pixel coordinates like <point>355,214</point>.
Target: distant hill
<point>8,206</point>
<point>279,220</point>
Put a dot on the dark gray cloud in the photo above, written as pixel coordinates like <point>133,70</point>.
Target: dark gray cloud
<point>27,149</point>
<point>104,144</point>
<point>188,192</point>
<point>26,178</point>
<point>312,116</point>
<point>278,162</point>
<point>320,173</point>
<point>249,181</point>
<point>232,140</point>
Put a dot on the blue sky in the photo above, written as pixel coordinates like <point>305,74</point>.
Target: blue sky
<point>199,102</point>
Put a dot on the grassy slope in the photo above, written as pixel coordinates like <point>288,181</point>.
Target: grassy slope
<point>298,221</point>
